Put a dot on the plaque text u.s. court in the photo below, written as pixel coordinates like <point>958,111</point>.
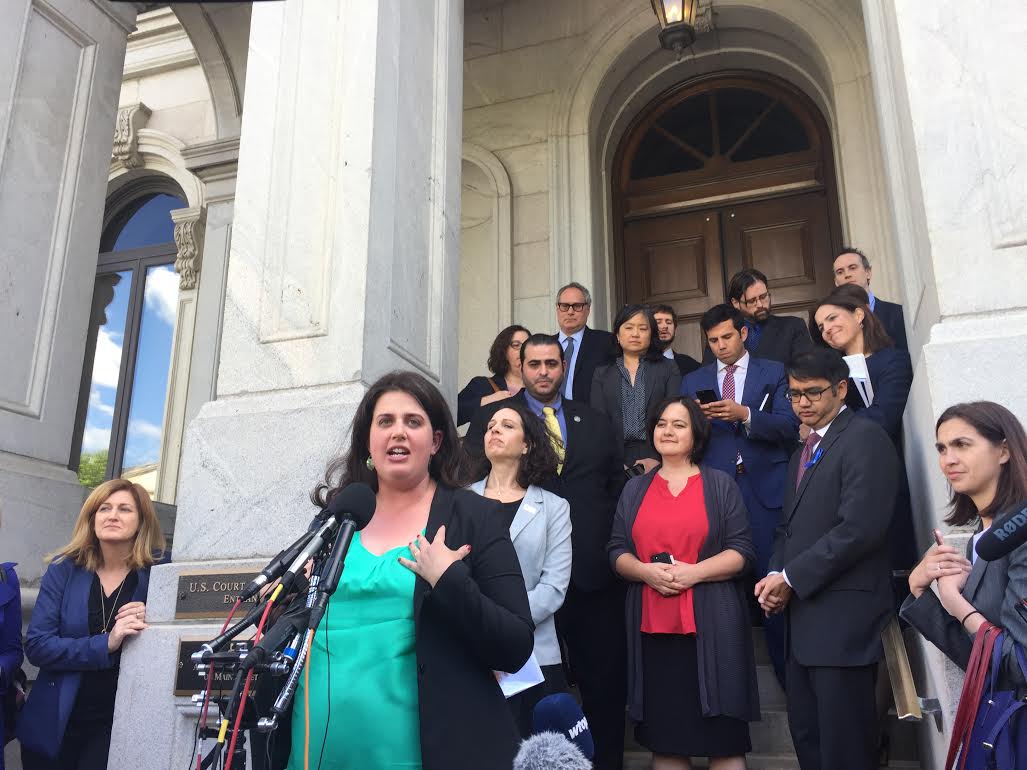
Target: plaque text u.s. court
<point>210,594</point>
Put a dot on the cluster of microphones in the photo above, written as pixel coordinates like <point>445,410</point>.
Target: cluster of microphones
<point>560,737</point>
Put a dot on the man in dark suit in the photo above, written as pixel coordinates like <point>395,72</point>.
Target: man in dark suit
<point>752,433</point>
<point>852,266</point>
<point>584,348</point>
<point>667,326</point>
<point>831,569</point>
<point>591,622</point>
<point>778,338</point>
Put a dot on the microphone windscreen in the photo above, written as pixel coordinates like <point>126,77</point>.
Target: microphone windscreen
<point>355,501</point>
<point>560,713</point>
<point>550,751</point>
<point>1007,533</point>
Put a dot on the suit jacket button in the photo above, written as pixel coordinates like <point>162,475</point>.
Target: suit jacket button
<point>420,669</point>
<point>788,531</point>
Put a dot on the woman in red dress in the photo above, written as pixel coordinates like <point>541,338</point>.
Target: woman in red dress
<point>681,539</point>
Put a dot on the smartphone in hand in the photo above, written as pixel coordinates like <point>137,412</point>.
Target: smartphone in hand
<point>706,395</point>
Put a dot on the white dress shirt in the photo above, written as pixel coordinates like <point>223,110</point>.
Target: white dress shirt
<point>568,384</point>
<point>740,372</point>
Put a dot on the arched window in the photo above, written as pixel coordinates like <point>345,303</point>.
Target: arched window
<point>129,343</point>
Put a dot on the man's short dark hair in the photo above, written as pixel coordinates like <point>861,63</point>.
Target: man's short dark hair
<point>718,314</point>
<point>541,339</point>
<point>742,280</point>
<point>853,250</point>
<point>666,310</point>
<point>819,364</point>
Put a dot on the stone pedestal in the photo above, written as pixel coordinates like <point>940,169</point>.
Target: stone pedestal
<point>342,266</point>
<point>953,120</point>
<point>55,144</point>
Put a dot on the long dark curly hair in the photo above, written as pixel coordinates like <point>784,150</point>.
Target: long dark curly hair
<point>448,466</point>
<point>498,363</point>
<point>539,463</point>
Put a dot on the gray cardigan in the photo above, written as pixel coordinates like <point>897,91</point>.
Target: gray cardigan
<point>727,664</point>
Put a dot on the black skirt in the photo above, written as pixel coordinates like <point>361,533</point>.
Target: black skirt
<point>673,722</point>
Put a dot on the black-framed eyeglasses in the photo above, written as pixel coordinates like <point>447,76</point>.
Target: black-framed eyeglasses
<point>812,394</point>
<point>761,299</point>
<point>564,307</point>
<point>516,344</point>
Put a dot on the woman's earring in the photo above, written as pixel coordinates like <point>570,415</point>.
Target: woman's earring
<point>369,462</point>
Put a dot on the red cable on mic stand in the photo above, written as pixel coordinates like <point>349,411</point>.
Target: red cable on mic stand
<point>206,692</point>
<point>249,678</point>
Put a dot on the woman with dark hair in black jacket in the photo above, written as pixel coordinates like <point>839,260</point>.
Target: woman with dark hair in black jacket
<point>626,390</point>
<point>430,605</point>
<point>505,364</point>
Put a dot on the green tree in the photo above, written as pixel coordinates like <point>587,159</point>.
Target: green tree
<point>92,468</point>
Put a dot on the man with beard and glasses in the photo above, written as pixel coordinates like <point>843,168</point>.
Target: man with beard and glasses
<point>590,478</point>
<point>778,338</point>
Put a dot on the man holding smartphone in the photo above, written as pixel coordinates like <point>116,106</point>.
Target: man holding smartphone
<point>752,433</point>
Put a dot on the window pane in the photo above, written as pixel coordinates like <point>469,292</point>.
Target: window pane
<point>141,461</point>
<point>150,225</point>
<point>107,327</point>
<point>780,133</point>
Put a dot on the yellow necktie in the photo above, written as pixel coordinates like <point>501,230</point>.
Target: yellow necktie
<point>555,435</point>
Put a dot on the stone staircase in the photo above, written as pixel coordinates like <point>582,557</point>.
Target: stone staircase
<point>771,741</point>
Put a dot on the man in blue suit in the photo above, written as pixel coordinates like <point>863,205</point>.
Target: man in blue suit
<point>753,431</point>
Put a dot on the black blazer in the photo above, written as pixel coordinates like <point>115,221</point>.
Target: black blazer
<point>686,364</point>
<point>891,375</point>
<point>832,543</point>
<point>591,481</point>
<point>890,314</point>
<point>597,348</point>
<point>476,620</point>
<point>783,338</point>
<point>468,400</point>
<point>662,380</point>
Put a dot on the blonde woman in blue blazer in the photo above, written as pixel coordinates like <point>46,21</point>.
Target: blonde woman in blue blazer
<point>519,457</point>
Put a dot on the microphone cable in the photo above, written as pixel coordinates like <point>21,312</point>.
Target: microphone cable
<point>201,724</point>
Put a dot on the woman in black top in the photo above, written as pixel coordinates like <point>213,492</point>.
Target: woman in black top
<point>505,364</point>
<point>628,389</point>
<point>90,601</point>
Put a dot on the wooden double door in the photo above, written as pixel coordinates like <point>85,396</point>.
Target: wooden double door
<point>718,174</point>
<point>685,260</point>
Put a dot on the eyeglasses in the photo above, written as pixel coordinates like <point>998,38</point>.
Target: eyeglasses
<point>516,344</point>
<point>812,394</point>
<point>564,307</point>
<point>760,300</point>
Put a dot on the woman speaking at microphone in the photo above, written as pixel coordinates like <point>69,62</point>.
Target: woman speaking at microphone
<point>430,604</point>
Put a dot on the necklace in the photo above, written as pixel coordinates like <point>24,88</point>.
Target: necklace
<point>103,606</point>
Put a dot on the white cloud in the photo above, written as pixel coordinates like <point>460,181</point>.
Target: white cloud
<point>96,402</point>
<point>107,363</point>
<point>161,295</point>
<point>145,429</point>
<point>95,438</point>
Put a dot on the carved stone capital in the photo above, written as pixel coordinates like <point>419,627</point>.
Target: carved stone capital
<point>189,227</point>
<point>704,17</point>
<point>126,134</point>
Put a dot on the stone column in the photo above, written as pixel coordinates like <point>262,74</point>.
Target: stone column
<point>952,113</point>
<point>56,134</point>
<point>343,266</point>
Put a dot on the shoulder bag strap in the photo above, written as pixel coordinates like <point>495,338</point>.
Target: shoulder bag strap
<point>495,386</point>
<point>973,686</point>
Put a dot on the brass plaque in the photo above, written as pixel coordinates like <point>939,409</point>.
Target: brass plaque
<point>211,594</point>
<point>188,682</point>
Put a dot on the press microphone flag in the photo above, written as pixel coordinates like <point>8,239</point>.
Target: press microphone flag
<point>560,713</point>
<point>1007,533</point>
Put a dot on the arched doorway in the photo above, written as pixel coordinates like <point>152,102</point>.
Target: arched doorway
<point>717,174</point>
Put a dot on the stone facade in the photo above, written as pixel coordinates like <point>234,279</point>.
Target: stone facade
<point>318,156</point>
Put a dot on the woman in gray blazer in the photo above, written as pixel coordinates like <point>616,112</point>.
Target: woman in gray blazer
<point>519,456</point>
<point>982,450</point>
<point>627,389</point>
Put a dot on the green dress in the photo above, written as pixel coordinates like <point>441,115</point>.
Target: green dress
<point>362,660</point>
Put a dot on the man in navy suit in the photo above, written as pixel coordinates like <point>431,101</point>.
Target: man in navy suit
<point>852,266</point>
<point>752,433</point>
<point>583,348</point>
